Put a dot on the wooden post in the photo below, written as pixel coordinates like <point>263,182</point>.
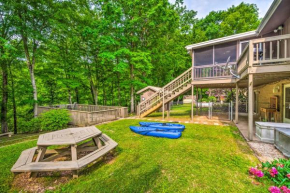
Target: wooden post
<point>41,153</point>
<point>73,152</point>
<point>97,142</point>
<point>197,98</point>
<point>237,104</point>
<point>250,92</point>
<point>200,109</point>
<point>168,109</point>
<point>251,105</point>
<point>39,158</point>
<point>192,86</point>
<point>74,158</point>
<point>163,105</point>
<point>192,98</point>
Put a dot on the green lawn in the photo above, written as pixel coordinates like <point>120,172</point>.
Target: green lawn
<point>180,111</point>
<point>205,159</point>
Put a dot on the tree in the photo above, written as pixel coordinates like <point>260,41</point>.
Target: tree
<point>33,28</point>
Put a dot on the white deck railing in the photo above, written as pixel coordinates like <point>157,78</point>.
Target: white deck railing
<point>265,51</point>
<point>212,71</point>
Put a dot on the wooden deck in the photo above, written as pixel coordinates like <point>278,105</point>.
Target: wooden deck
<point>99,145</point>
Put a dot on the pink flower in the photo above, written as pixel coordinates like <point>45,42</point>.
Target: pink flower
<point>280,165</point>
<point>288,176</point>
<point>274,189</point>
<point>259,174</point>
<point>285,189</point>
<point>256,172</point>
<point>273,172</point>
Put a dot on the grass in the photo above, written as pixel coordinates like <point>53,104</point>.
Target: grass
<point>180,111</point>
<point>4,141</point>
<point>205,159</point>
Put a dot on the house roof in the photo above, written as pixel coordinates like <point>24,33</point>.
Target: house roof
<point>154,88</point>
<point>277,14</point>
<point>268,15</point>
<point>239,36</point>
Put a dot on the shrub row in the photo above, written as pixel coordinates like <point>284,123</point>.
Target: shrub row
<point>52,120</point>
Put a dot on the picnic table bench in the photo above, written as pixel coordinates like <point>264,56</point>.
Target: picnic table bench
<point>8,133</point>
<point>84,139</point>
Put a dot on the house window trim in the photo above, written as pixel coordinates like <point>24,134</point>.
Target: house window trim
<point>240,50</point>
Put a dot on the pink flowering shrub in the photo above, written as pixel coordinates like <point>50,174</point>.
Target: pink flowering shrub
<point>285,189</point>
<point>277,171</point>
<point>273,172</point>
<point>256,172</point>
<point>274,189</point>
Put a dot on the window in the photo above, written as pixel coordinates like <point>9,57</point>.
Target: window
<point>243,45</point>
<point>203,56</point>
<point>223,51</point>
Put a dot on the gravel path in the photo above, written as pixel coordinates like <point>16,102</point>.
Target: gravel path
<point>265,151</point>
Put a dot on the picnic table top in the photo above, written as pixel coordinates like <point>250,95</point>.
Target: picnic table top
<point>69,136</point>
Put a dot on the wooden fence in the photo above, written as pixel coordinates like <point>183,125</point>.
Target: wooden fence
<point>84,115</point>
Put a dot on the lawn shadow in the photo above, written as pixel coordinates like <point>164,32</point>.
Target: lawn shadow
<point>240,141</point>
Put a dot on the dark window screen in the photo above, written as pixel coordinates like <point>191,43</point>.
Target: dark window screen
<point>203,56</point>
<point>243,46</point>
<point>223,51</point>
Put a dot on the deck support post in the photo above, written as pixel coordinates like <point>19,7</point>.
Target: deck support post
<point>251,93</point>
<point>168,109</point>
<point>251,106</point>
<point>200,109</point>
<point>192,98</point>
<point>237,104</point>
<point>163,104</point>
<point>197,99</point>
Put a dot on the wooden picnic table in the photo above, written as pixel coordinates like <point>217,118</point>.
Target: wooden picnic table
<point>77,140</point>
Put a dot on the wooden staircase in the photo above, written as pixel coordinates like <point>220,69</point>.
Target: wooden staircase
<point>169,92</point>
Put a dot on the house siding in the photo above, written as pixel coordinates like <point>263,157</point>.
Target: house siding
<point>287,26</point>
<point>266,91</point>
<point>146,94</point>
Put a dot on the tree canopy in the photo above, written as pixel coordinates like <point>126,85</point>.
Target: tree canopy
<point>98,51</point>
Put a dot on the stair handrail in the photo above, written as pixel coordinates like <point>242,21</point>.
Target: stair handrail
<point>152,96</point>
<point>161,93</point>
<point>178,77</point>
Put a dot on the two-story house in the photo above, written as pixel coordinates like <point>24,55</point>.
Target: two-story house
<point>258,60</point>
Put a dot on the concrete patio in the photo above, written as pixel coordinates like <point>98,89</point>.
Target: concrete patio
<point>264,151</point>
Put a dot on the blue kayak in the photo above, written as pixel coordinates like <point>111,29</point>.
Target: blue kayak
<point>164,126</point>
<point>150,131</point>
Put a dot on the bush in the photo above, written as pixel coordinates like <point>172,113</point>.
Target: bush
<point>31,126</point>
<point>55,119</point>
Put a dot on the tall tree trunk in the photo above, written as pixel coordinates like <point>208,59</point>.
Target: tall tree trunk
<point>30,64</point>
<point>104,96</point>
<point>112,99</point>
<point>132,109</point>
<point>4,125</point>
<point>77,95</point>
<point>31,71</point>
<point>69,96</point>
<point>119,91</point>
<point>94,92</point>
<point>13,102</point>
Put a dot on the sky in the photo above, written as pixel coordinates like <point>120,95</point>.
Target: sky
<point>203,7</point>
